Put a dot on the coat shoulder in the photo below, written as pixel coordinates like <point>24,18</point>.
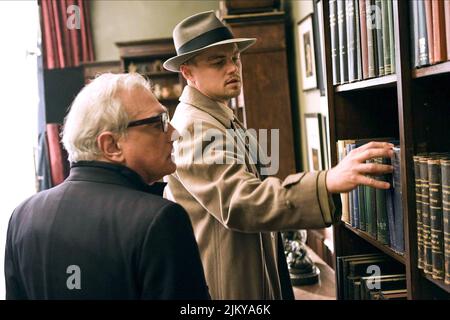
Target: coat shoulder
<point>187,115</point>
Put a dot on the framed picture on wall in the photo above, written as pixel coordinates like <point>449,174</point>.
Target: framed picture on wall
<point>314,141</point>
<point>307,53</point>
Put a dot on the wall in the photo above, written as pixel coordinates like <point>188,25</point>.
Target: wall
<point>308,102</point>
<point>114,21</point>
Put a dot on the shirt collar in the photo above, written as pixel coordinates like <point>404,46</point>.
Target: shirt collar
<point>219,111</point>
<point>112,173</point>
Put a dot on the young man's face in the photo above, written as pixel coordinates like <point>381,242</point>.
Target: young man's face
<point>216,72</point>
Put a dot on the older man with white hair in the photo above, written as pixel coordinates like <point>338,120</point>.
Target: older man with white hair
<point>106,232</point>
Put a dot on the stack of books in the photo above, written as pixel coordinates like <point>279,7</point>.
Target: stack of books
<point>362,39</point>
<point>370,277</point>
<point>432,183</point>
<point>377,212</point>
<point>430,32</point>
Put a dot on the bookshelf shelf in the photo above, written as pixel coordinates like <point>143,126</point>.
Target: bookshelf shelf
<point>374,83</point>
<point>364,235</point>
<point>438,283</point>
<point>436,69</point>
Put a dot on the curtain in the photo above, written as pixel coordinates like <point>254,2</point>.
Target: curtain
<point>66,42</point>
<point>66,33</point>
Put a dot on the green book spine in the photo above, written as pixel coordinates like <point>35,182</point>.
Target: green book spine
<point>445,178</point>
<point>371,207</point>
<point>372,213</point>
<point>351,39</point>
<point>437,236</point>
<point>368,208</point>
<point>371,38</point>
<point>422,31</point>
<point>381,210</point>
<point>391,35</point>
<point>418,182</point>
<point>426,221</point>
<point>342,31</point>
<point>334,35</point>
<point>386,39</point>
<point>379,36</point>
<point>362,208</point>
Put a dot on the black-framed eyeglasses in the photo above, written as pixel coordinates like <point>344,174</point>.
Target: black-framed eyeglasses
<point>162,118</point>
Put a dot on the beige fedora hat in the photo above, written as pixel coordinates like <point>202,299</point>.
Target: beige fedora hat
<point>198,32</point>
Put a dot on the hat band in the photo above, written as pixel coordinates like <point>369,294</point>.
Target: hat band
<point>205,39</point>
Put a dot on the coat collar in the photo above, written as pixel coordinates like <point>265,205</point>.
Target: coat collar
<point>220,112</point>
<point>105,172</point>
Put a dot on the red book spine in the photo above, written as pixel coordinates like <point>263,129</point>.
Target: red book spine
<point>440,48</point>
<point>364,44</point>
<point>447,25</point>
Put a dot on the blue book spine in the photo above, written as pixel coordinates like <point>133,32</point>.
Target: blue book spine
<point>354,197</point>
<point>390,215</point>
<point>398,207</point>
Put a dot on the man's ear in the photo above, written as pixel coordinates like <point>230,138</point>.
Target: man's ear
<point>110,147</point>
<point>186,72</point>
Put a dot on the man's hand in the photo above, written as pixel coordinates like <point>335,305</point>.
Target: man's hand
<point>352,170</point>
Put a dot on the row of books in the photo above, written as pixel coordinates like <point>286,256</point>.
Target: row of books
<point>375,211</point>
<point>362,39</point>
<point>370,277</point>
<point>432,186</point>
<point>430,31</point>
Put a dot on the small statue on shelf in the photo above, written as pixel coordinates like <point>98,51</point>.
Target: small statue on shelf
<point>302,270</point>
<point>157,66</point>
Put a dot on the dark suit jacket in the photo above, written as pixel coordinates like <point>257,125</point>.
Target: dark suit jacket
<point>102,234</point>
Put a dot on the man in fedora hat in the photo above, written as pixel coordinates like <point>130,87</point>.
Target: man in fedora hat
<point>235,212</point>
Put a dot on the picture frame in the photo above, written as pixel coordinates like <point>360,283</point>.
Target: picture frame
<point>307,53</point>
<point>325,142</point>
<point>315,142</point>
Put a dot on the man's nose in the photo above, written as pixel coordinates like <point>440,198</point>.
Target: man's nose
<point>233,66</point>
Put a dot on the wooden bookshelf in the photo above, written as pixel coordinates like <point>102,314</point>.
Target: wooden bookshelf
<point>439,283</point>
<point>412,106</point>
<point>147,57</point>
<point>436,69</point>
<point>374,83</point>
<point>159,74</point>
<point>371,240</point>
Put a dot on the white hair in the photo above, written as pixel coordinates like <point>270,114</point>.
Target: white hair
<point>96,109</point>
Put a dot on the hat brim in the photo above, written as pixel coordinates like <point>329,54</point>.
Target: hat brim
<point>174,63</point>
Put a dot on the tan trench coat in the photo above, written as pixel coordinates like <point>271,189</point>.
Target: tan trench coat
<point>234,214</point>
